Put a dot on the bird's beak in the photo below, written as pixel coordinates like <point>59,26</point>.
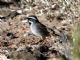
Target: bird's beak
<point>25,20</point>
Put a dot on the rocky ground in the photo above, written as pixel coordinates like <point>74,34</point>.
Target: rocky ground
<point>17,44</point>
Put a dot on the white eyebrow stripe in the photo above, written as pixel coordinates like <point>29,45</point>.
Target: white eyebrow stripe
<point>32,17</point>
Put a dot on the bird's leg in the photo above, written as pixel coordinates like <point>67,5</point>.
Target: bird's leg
<point>42,38</point>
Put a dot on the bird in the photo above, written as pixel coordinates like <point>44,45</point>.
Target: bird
<point>37,28</point>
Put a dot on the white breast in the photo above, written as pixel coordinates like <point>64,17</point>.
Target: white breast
<point>34,30</point>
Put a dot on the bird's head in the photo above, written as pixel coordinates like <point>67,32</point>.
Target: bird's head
<point>31,19</point>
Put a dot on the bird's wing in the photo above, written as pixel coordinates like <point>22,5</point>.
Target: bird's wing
<point>42,28</point>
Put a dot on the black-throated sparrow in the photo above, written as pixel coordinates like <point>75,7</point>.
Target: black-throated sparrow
<point>36,27</point>
<point>41,30</point>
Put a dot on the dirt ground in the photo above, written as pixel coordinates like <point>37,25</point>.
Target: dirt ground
<point>17,44</point>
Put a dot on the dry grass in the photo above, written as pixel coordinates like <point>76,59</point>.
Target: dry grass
<point>76,41</point>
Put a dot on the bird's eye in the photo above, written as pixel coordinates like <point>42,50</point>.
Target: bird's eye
<point>30,19</point>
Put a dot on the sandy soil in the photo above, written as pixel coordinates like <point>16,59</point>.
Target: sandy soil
<point>15,41</point>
